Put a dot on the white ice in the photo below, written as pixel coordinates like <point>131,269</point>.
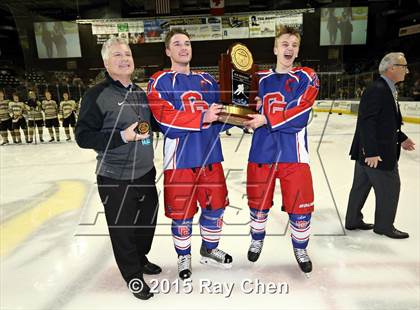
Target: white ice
<point>56,253</point>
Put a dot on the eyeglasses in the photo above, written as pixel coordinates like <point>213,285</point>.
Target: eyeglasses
<point>405,67</point>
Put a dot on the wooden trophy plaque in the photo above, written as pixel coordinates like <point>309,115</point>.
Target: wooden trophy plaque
<point>238,87</point>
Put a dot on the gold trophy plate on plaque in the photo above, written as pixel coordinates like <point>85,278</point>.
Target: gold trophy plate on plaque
<point>241,57</point>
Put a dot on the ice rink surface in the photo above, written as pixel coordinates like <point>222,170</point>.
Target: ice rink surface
<point>56,253</point>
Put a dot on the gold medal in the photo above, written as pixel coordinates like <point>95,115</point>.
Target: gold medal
<point>143,127</point>
<point>241,57</point>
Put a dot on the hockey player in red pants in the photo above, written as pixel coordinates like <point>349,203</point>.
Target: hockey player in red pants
<point>280,149</point>
<point>185,104</point>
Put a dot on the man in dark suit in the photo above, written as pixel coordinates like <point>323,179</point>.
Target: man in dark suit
<point>376,148</point>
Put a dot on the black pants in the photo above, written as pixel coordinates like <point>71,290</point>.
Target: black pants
<point>131,210</point>
<point>386,184</point>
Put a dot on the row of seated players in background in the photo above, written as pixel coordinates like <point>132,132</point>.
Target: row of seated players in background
<point>16,115</point>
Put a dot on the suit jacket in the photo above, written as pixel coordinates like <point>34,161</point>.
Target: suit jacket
<point>378,129</point>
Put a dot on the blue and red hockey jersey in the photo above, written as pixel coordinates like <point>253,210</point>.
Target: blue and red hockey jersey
<point>287,99</point>
<point>178,102</point>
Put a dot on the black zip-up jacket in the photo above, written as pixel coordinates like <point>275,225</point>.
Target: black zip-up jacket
<point>107,109</point>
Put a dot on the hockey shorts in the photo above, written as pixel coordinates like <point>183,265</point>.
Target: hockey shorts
<point>184,187</point>
<point>69,121</point>
<point>6,125</point>
<point>52,122</point>
<point>19,123</point>
<point>37,122</point>
<point>295,183</point>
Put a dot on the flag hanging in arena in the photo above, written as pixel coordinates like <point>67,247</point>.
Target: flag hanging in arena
<point>217,7</point>
<point>163,7</point>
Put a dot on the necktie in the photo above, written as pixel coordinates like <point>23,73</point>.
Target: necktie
<point>396,100</point>
<point>397,104</point>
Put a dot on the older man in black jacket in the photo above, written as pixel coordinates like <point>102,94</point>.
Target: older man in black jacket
<point>376,148</point>
<point>109,117</point>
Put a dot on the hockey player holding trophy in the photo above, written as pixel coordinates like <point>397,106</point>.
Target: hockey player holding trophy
<point>279,147</point>
<point>185,104</point>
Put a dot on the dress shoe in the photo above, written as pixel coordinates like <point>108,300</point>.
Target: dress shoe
<point>144,293</point>
<point>394,234</point>
<point>150,268</point>
<point>143,296</point>
<point>361,226</point>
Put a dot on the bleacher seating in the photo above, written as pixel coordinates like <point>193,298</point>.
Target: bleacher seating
<point>35,77</point>
<point>7,79</point>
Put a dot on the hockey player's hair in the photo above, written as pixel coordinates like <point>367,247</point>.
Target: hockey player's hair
<point>110,42</point>
<point>285,29</point>
<point>173,32</point>
<point>389,60</point>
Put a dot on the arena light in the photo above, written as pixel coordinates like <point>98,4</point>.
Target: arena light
<point>406,31</point>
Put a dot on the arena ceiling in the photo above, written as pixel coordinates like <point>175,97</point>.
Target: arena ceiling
<point>75,8</point>
<point>94,9</point>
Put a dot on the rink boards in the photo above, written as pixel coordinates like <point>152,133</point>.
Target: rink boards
<point>410,110</point>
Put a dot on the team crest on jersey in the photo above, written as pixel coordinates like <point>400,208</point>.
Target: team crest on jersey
<point>287,85</point>
<point>204,86</point>
<point>183,231</point>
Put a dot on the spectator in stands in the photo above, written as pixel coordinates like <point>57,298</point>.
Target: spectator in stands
<point>254,22</point>
<point>358,93</point>
<point>401,88</point>
<point>77,82</point>
<point>341,93</point>
<point>416,90</point>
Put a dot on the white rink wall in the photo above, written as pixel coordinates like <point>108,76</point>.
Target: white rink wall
<point>410,110</point>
